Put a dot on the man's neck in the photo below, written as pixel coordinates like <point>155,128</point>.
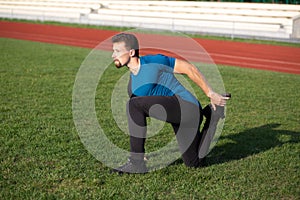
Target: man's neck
<point>134,65</point>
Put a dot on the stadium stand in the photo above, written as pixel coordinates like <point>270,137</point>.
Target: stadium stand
<point>49,10</point>
<point>256,20</point>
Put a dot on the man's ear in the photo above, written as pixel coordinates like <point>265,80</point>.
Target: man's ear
<point>132,52</point>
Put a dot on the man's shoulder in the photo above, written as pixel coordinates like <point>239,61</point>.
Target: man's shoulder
<point>156,58</point>
<point>153,56</point>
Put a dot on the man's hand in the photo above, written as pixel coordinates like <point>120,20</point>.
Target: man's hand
<point>217,99</point>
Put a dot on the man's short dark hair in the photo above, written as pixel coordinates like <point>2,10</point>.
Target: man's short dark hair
<point>131,42</point>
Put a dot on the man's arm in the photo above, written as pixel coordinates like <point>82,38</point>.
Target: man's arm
<point>183,67</point>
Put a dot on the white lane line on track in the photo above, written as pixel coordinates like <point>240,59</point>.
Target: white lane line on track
<point>255,59</point>
<point>261,66</point>
<point>246,59</point>
<point>49,38</point>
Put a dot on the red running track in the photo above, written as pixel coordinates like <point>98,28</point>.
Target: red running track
<point>257,56</point>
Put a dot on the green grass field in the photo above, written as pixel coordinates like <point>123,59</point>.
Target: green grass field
<point>42,157</point>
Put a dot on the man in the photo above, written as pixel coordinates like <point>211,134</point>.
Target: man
<point>155,92</point>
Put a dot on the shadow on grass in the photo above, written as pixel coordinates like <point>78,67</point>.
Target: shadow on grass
<point>250,142</point>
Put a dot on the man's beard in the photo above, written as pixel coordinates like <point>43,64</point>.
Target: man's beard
<point>118,64</point>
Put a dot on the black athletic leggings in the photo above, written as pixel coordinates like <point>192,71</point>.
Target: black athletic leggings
<point>184,116</point>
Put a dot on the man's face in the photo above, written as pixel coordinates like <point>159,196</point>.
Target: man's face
<point>120,54</point>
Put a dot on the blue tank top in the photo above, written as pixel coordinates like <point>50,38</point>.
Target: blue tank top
<point>156,78</point>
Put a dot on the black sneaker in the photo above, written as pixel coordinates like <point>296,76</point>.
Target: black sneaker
<point>131,167</point>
